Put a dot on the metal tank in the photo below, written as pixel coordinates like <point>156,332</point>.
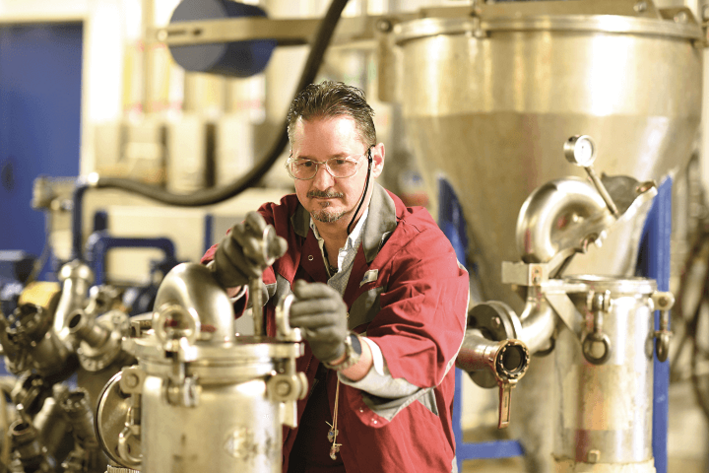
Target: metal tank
<point>201,398</point>
<point>488,98</point>
<point>604,393</point>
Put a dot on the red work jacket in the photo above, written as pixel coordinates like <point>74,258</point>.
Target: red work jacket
<point>407,293</point>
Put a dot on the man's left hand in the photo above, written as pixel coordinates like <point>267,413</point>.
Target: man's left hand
<point>322,314</point>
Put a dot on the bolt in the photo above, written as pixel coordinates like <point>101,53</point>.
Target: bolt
<point>644,187</point>
<point>132,380</point>
<point>640,7</point>
<point>496,322</point>
<point>283,388</point>
<point>594,456</point>
<point>536,275</point>
<point>384,25</point>
<point>681,17</point>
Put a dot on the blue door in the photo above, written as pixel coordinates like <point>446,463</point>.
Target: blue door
<point>40,104</point>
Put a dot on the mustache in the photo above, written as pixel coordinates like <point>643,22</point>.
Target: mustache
<point>324,194</point>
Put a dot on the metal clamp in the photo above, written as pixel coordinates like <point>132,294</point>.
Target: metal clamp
<point>284,331</point>
<point>123,445</point>
<point>663,301</point>
<point>599,304</point>
<point>177,329</point>
<point>131,382</point>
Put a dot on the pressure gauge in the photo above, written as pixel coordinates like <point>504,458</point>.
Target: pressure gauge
<point>580,150</point>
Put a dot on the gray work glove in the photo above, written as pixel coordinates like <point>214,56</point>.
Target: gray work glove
<point>240,256</point>
<point>322,314</point>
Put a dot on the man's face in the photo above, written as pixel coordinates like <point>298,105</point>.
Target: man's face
<point>325,197</point>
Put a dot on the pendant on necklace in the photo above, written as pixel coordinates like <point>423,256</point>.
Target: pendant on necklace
<point>332,437</point>
<point>334,450</point>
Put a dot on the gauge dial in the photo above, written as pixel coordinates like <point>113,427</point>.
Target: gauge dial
<point>580,150</point>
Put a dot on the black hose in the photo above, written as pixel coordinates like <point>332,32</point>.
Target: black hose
<point>216,195</point>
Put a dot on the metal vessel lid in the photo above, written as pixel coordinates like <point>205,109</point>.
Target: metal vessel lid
<point>686,28</point>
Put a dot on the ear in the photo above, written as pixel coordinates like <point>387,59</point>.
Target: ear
<point>377,159</point>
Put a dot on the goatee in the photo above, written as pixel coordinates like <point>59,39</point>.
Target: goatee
<point>327,215</point>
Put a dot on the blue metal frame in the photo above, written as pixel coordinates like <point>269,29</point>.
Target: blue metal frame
<point>100,243</point>
<point>452,223</point>
<point>208,231</point>
<point>654,262</point>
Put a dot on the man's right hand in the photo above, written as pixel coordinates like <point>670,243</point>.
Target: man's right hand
<point>246,251</point>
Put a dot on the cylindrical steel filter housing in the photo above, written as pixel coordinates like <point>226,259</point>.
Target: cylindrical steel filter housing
<point>605,408</point>
<point>234,426</point>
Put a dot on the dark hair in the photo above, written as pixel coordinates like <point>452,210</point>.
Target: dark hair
<point>331,99</point>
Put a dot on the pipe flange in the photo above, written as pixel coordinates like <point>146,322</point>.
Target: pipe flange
<point>496,321</point>
<point>512,360</point>
<point>97,358</point>
<point>29,324</point>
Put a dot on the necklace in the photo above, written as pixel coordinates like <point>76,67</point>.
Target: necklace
<point>331,270</point>
<point>332,434</point>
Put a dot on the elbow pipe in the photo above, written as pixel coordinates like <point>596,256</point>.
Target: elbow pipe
<point>191,304</point>
<point>559,215</point>
<point>534,328</point>
<point>76,278</point>
<point>537,322</point>
<point>508,360</point>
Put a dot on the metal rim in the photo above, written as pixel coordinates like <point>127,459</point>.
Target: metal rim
<point>615,284</point>
<point>618,24</point>
<point>246,350</point>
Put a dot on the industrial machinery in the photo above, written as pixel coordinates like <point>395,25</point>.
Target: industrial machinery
<point>489,94</point>
<point>492,92</point>
<point>202,397</point>
<point>60,343</point>
<point>600,328</point>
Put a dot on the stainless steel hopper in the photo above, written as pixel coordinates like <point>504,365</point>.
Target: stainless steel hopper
<point>489,100</point>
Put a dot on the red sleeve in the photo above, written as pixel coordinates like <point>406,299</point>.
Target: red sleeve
<point>422,320</point>
<point>209,255</point>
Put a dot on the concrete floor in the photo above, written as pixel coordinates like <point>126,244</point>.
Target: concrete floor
<point>687,439</point>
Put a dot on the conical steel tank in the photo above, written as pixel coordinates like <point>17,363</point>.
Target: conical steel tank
<point>489,99</point>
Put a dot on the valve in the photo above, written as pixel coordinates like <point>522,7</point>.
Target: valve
<point>264,258</point>
<point>508,361</point>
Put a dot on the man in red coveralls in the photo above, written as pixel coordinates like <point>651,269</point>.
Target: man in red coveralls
<point>380,297</point>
